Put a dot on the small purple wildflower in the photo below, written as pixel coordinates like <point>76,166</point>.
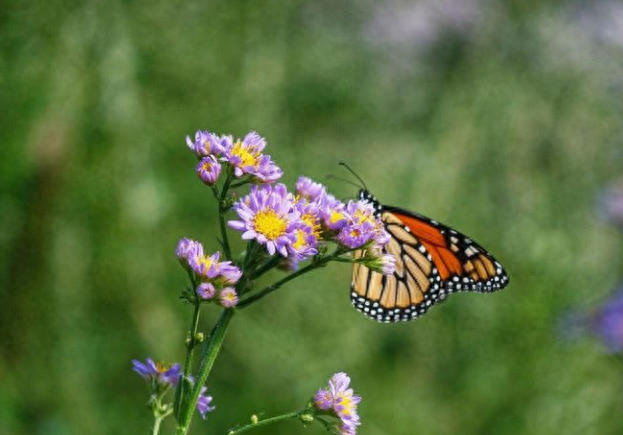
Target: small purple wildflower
<point>333,212</point>
<point>230,274</point>
<point>608,322</point>
<point>203,404</point>
<point>246,157</point>
<point>305,242</point>
<point>204,265</point>
<point>209,170</point>
<point>185,249</point>
<point>206,291</point>
<point>205,144</point>
<point>355,235</point>
<point>162,374</point>
<point>341,400</point>
<point>268,216</point>
<point>309,189</point>
<point>384,263</point>
<point>228,297</point>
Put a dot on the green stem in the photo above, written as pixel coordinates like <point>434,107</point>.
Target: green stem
<point>157,423</point>
<point>221,217</point>
<point>214,345</point>
<point>192,343</point>
<point>271,288</point>
<point>265,422</point>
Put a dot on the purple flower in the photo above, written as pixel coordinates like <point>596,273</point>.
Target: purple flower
<point>230,274</point>
<point>268,216</point>
<point>203,404</point>
<point>185,249</point>
<point>162,374</point>
<point>309,213</point>
<point>333,212</point>
<point>205,144</point>
<point>608,322</point>
<point>204,265</point>
<point>309,189</point>
<point>228,297</point>
<point>341,400</point>
<point>206,291</point>
<point>209,170</point>
<point>355,235</point>
<point>246,157</point>
<point>362,212</point>
<point>305,242</point>
<point>384,263</point>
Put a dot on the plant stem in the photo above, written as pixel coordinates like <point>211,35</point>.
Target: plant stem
<point>214,345</point>
<point>221,216</point>
<point>265,422</point>
<point>271,288</point>
<point>193,337</point>
<point>157,423</point>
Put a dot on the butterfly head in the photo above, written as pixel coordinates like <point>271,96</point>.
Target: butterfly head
<point>364,194</point>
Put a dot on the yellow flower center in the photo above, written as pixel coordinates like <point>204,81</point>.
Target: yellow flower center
<point>269,224</point>
<point>336,216</point>
<point>206,166</point>
<point>312,222</point>
<point>300,240</point>
<point>247,157</point>
<point>204,260</point>
<point>346,402</point>
<point>161,368</point>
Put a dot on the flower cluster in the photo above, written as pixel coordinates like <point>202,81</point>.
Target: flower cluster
<point>214,276</point>
<point>295,224</point>
<point>244,156</point>
<point>164,376</point>
<point>340,401</point>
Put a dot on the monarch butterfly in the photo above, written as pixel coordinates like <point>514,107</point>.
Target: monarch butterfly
<point>432,261</point>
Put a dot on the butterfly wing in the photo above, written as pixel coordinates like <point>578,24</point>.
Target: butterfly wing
<point>432,260</point>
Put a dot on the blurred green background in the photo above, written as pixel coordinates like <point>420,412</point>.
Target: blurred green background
<point>502,119</point>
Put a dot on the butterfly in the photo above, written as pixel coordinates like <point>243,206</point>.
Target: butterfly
<point>432,261</point>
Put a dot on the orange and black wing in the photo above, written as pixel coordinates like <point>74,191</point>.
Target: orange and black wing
<point>432,260</point>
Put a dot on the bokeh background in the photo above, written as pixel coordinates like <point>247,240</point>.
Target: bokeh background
<point>502,119</point>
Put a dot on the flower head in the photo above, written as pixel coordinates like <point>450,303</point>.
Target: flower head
<point>228,297</point>
<point>205,144</point>
<point>185,249</point>
<point>341,401</point>
<point>163,375</point>
<point>309,189</point>
<point>333,212</point>
<point>305,242</point>
<point>230,274</point>
<point>209,170</point>
<point>206,291</point>
<point>203,403</point>
<point>355,235</point>
<point>206,266</point>
<point>608,322</point>
<point>268,216</point>
<point>246,157</point>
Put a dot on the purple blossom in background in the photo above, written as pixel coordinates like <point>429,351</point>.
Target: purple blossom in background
<point>268,216</point>
<point>341,399</point>
<point>608,322</point>
<point>611,204</point>
<point>228,297</point>
<point>206,291</point>
<point>164,375</point>
<point>309,189</point>
<point>205,144</point>
<point>203,404</point>
<point>246,157</point>
<point>209,170</point>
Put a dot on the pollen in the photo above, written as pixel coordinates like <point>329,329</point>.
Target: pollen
<point>247,155</point>
<point>312,222</point>
<point>300,240</point>
<point>268,223</point>
<point>336,217</point>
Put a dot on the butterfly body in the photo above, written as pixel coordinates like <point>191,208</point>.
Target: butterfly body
<point>432,261</point>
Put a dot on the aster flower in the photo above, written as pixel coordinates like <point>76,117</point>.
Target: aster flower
<point>268,216</point>
<point>355,235</point>
<point>185,249</point>
<point>384,263</point>
<point>203,404</point>
<point>228,297</point>
<point>163,375</point>
<point>309,189</point>
<point>206,291</point>
<point>229,274</point>
<point>305,242</point>
<point>333,212</point>
<point>309,213</point>
<point>246,157</point>
<point>362,212</point>
<point>209,170</point>
<point>339,400</point>
<point>206,266</point>
<point>608,322</point>
<point>205,144</point>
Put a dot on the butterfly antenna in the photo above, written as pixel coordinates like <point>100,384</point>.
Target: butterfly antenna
<point>355,174</point>
<point>344,180</point>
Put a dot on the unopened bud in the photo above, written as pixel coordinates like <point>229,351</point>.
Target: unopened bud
<point>306,418</point>
<point>254,419</point>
